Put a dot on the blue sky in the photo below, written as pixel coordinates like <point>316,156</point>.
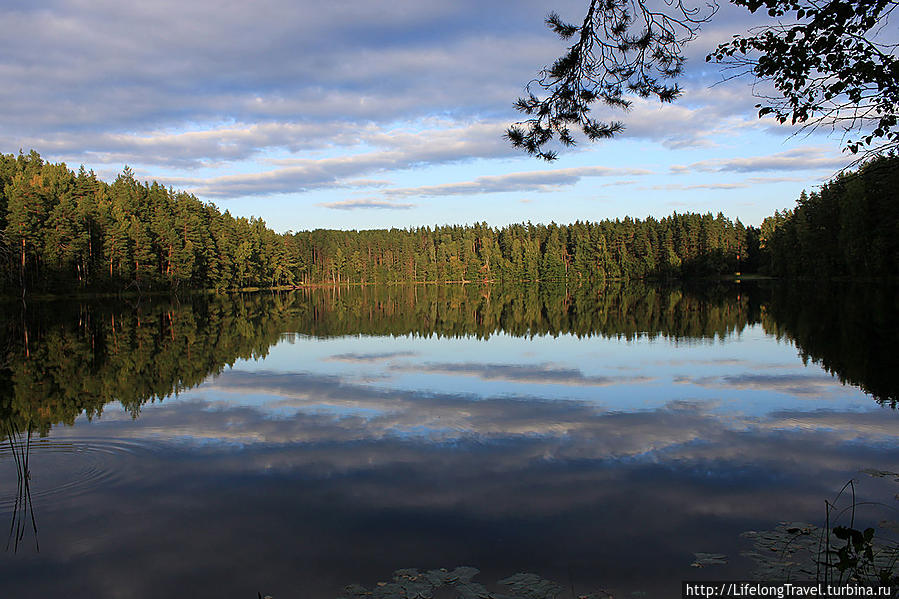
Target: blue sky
<point>367,114</point>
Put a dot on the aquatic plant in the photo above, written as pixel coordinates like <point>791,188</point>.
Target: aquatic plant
<point>838,553</point>
<point>413,584</point>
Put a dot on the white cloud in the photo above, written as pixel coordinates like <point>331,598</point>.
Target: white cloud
<point>105,67</point>
<point>121,82</point>
<point>398,150</point>
<point>678,186</point>
<point>236,100</point>
<point>365,204</point>
<point>549,180</point>
<point>744,184</point>
<point>798,159</point>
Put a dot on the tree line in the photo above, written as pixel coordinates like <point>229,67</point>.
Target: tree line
<point>681,245</point>
<point>64,230</point>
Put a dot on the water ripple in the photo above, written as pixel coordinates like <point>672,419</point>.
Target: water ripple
<point>68,466</point>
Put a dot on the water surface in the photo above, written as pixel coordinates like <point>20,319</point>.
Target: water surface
<point>295,443</point>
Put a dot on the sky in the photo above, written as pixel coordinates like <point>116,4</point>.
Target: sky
<point>360,114</point>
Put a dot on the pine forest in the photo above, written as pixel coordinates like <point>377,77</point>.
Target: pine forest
<point>64,230</point>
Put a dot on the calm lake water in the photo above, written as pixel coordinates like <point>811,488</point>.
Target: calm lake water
<point>296,443</point>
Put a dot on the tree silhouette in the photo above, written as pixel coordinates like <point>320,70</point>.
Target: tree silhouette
<point>823,59</point>
<point>826,66</point>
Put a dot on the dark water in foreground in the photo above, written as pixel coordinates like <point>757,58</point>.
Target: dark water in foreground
<point>295,443</point>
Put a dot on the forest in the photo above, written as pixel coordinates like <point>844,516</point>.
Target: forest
<point>849,228</point>
<point>62,230</point>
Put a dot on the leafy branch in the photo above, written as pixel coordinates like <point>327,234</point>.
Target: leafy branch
<point>827,67</point>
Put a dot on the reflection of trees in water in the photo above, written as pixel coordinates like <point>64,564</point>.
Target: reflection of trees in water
<point>23,509</point>
<point>83,355</point>
<point>615,309</point>
<point>850,330</point>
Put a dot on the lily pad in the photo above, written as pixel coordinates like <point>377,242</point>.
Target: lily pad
<point>881,473</point>
<point>531,586</point>
<point>410,583</point>
<point>704,560</point>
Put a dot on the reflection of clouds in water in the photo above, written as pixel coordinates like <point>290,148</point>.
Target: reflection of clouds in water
<point>369,357</point>
<point>506,482</point>
<point>663,457</point>
<point>726,362</point>
<point>326,409</point>
<point>716,362</point>
<point>541,373</point>
<point>392,412</point>
<point>794,384</point>
<point>878,425</point>
<point>520,373</point>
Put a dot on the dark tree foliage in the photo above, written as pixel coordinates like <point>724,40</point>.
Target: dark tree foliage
<point>820,64</point>
<point>826,66</point>
<point>849,228</point>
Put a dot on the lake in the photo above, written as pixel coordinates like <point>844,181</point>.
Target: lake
<point>294,443</point>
